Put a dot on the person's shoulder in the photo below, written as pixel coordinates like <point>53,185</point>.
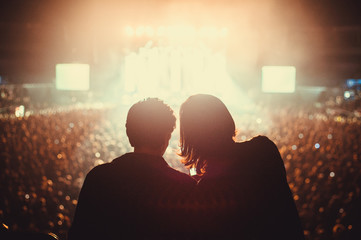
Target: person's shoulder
<point>99,170</point>
<point>261,139</point>
<point>259,142</point>
<point>107,168</point>
<point>180,176</point>
<point>259,147</point>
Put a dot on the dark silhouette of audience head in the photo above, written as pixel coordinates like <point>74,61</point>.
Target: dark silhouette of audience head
<point>206,128</point>
<point>149,126</point>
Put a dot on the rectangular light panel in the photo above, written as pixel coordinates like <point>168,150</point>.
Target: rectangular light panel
<point>72,76</point>
<point>278,79</point>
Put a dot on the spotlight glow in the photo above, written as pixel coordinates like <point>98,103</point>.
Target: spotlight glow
<point>129,31</point>
<point>139,31</point>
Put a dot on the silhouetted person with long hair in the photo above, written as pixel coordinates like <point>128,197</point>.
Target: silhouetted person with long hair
<point>137,195</point>
<point>243,192</point>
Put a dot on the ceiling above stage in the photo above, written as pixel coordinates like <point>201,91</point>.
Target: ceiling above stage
<point>321,37</point>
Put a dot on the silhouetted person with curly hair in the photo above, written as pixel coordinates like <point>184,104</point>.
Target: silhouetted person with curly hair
<point>137,195</point>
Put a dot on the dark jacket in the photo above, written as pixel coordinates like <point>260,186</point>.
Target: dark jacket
<point>136,196</point>
<point>246,195</point>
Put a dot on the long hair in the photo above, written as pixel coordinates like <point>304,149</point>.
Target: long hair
<point>206,126</point>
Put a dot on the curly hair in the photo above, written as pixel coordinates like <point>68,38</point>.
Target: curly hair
<point>149,122</point>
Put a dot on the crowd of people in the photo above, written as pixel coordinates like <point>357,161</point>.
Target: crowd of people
<point>46,156</point>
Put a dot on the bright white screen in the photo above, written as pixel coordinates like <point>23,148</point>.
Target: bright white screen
<point>281,79</point>
<point>72,76</point>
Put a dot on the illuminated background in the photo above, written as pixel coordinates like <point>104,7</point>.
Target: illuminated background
<point>319,38</point>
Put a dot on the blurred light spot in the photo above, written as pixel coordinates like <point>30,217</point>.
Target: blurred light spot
<point>329,136</point>
<point>294,147</point>
<point>307,180</point>
<point>97,154</point>
<point>50,182</point>
<point>61,207</point>
<point>300,136</point>
<point>71,125</point>
<point>259,121</point>
<point>347,94</point>
<point>60,223</point>
<point>317,145</point>
<point>321,209</point>
<point>338,228</point>
<point>59,156</point>
<point>341,210</point>
<point>349,227</point>
<point>332,174</point>
<point>19,111</point>
<point>75,202</point>
<point>56,141</point>
<point>296,197</point>
<point>27,196</point>
<point>67,198</point>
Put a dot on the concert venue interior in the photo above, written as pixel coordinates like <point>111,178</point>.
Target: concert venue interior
<point>70,70</point>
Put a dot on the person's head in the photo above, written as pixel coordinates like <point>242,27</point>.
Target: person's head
<point>149,125</point>
<point>206,128</point>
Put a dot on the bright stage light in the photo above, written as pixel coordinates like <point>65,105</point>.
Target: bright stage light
<point>224,32</point>
<point>149,31</point>
<point>209,32</point>
<point>129,31</point>
<point>180,66</point>
<point>178,33</point>
<point>278,79</point>
<point>161,31</point>
<point>168,71</point>
<point>72,76</point>
<point>181,35</point>
<point>139,31</point>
